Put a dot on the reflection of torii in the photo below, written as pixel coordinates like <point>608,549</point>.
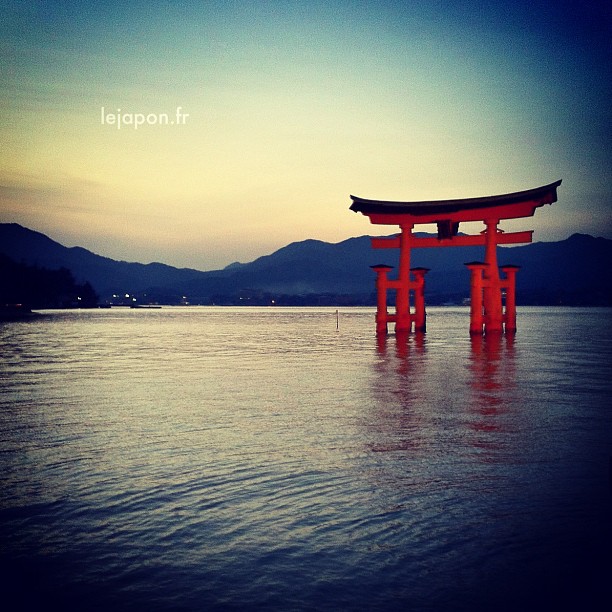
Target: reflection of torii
<point>486,286</point>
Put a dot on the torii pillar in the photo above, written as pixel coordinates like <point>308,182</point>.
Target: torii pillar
<point>492,288</point>
<point>490,317</point>
<point>382,284</point>
<point>486,286</point>
<point>510,285</point>
<point>403,316</point>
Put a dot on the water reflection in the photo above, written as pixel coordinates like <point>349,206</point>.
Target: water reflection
<point>397,419</point>
<point>231,459</point>
<point>492,390</point>
<point>405,345</point>
<point>493,372</point>
<point>426,392</point>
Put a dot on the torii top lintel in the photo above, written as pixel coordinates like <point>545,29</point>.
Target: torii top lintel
<point>506,206</point>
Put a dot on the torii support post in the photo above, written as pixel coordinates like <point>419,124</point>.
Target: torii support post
<point>419,299</point>
<point>382,284</point>
<point>510,285</point>
<point>476,294</point>
<point>493,315</point>
<point>402,299</point>
<point>479,285</point>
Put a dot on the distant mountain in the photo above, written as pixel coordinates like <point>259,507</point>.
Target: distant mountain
<point>28,287</point>
<point>107,276</point>
<point>577,271</point>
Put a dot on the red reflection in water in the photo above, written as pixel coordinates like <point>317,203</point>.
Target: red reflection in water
<point>398,412</point>
<point>492,380</point>
<point>405,342</point>
<point>410,411</point>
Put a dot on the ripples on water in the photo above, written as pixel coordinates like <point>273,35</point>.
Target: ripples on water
<point>218,458</point>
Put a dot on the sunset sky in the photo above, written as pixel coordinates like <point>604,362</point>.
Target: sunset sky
<point>287,108</point>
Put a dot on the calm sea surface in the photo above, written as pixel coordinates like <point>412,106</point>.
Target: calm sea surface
<point>261,458</point>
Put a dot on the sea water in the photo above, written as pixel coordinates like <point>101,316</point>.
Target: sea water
<point>288,459</point>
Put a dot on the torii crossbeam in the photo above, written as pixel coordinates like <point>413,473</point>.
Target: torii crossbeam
<point>486,313</point>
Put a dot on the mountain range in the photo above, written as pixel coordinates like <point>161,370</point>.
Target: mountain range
<point>575,271</point>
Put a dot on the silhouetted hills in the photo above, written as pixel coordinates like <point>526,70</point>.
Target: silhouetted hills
<point>35,287</point>
<point>575,271</point>
<point>107,275</point>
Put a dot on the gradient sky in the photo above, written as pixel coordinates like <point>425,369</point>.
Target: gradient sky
<point>293,106</point>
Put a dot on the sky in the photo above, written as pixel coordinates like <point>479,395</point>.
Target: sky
<point>202,133</point>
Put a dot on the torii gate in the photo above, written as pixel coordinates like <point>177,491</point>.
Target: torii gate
<point>486,286</point>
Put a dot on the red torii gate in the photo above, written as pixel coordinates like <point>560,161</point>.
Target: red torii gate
<point>486,311</point>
